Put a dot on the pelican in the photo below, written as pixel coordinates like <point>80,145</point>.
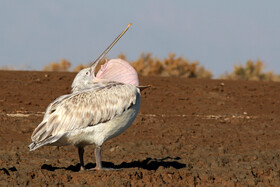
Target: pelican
<point>100,107</point>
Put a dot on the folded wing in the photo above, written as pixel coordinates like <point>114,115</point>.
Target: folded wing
<point>83,109</point>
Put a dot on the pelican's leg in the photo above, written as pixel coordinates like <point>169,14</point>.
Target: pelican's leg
<point>99,161</point>
<point>98,158</point>
<point>81,156</point>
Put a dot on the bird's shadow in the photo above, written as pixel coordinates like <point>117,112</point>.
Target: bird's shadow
<point>148,164</point>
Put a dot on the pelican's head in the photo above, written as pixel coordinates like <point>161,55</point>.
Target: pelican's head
<point>117,70</point>
<point>83,80</point>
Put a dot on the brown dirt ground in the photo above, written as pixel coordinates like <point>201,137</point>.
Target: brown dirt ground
<point>188,132</point>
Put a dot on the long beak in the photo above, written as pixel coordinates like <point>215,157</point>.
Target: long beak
<point>93,65</point>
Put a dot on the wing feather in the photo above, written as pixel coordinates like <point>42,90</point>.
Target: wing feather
<point>85,108</point>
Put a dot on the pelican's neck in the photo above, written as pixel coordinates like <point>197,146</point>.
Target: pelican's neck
<point>83,85</point>
<point>80,84</point>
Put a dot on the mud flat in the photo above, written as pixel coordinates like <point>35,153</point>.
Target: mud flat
<point>189,132</point>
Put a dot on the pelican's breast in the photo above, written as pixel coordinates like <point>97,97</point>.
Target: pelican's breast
<point>117,125</point>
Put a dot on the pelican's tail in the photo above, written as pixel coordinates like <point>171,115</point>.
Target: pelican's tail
<point>49,140</point>
<point>33,146</point>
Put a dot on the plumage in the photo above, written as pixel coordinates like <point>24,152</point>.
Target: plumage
<point>99,108</point>
<point>82,111</point>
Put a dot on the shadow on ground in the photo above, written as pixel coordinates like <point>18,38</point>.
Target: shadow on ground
<point>7,171</point>
<point>148,164</point>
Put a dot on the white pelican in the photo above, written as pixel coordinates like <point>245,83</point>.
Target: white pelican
<point>99,108</point>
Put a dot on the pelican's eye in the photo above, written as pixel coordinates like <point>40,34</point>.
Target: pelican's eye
<point>87,73</point>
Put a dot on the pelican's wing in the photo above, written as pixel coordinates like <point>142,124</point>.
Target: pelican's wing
<point>80,110</point>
